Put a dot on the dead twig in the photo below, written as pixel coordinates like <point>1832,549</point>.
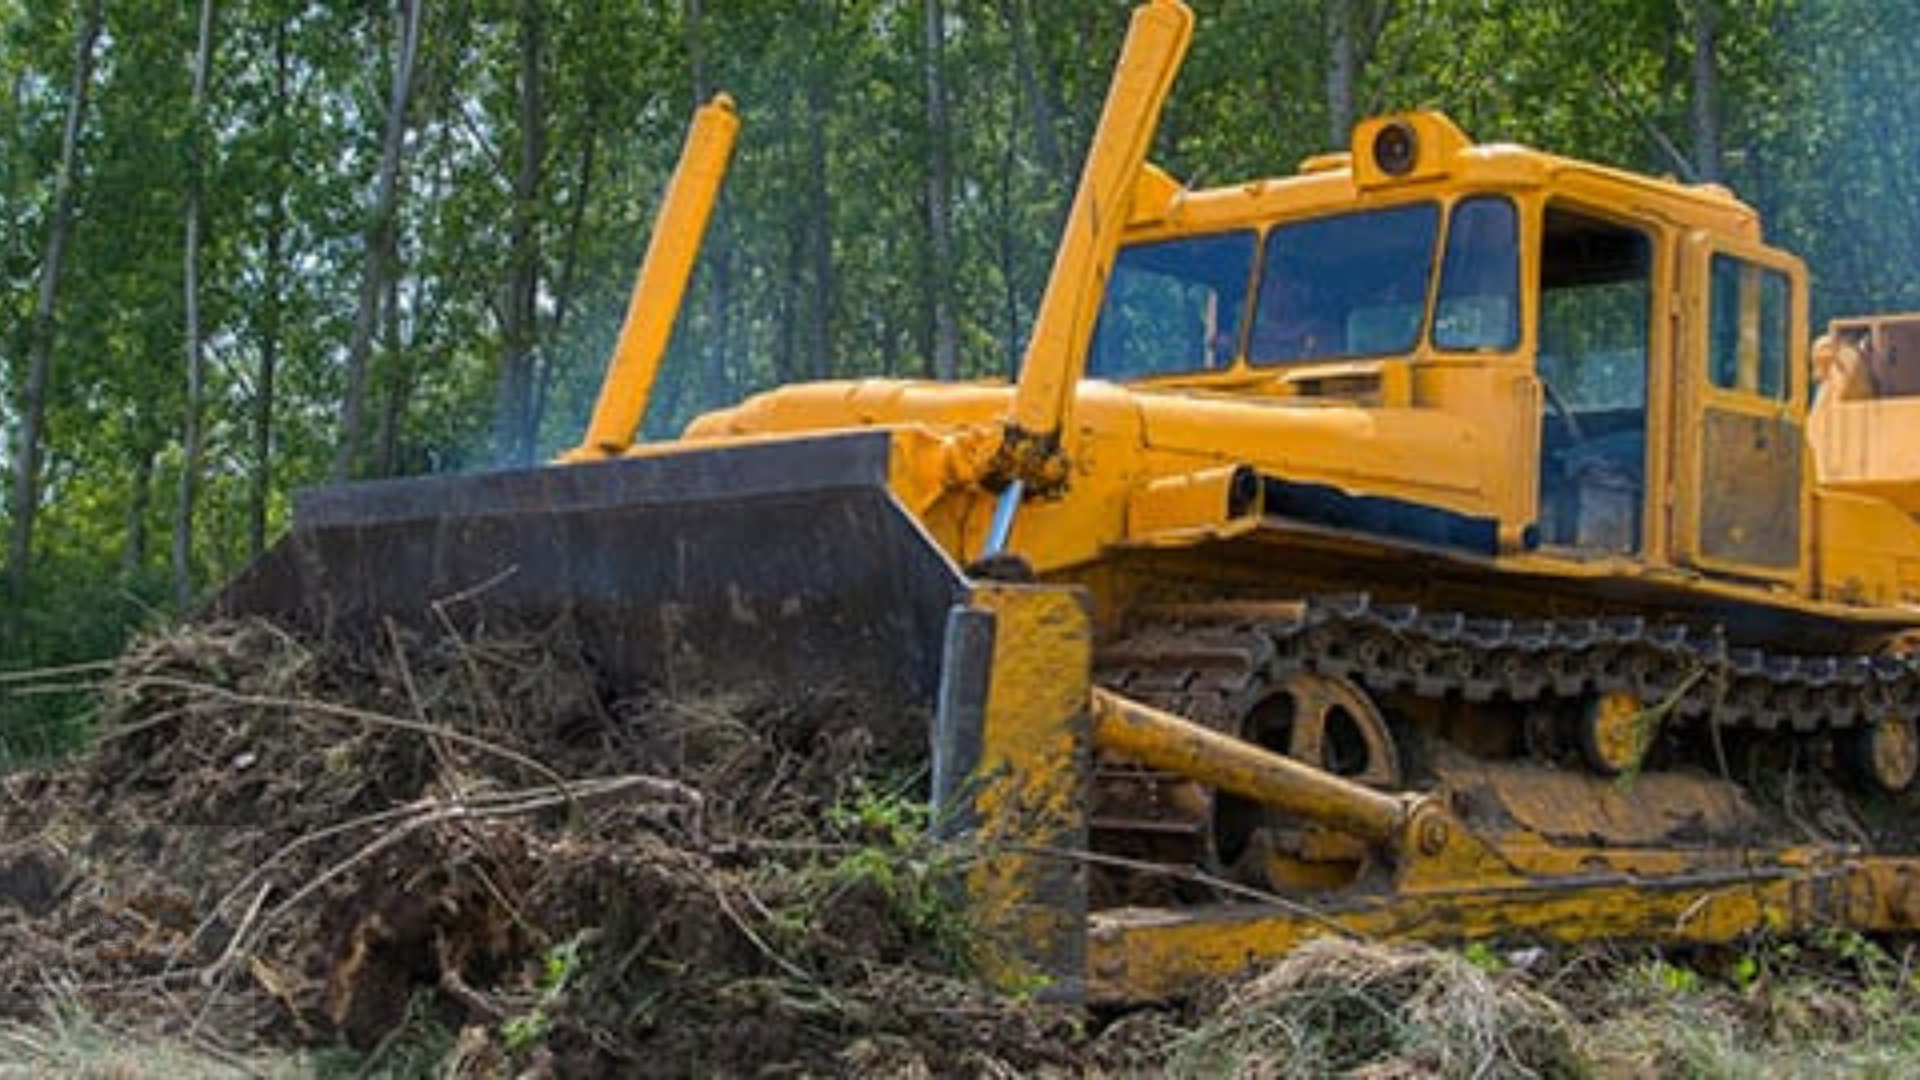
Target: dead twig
<point>33,675</point>
<point>347,712</point>
<point>449,776</point>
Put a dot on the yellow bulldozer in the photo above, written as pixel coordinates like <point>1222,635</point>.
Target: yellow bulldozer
<point>1426,544</point>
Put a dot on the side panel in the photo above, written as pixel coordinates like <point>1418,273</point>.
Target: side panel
<point>1750,470</point>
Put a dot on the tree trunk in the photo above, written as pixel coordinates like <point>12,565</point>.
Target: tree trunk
<point>133,550</point>
<point>272,319</point>
<point>33,405</point>
<point>716,386</point>
<point>1341,57</point>
<point>373,267</point>
<point>513,437</point>
<point>191,440</point>
<point>395,377</point>
<point>1011,334</point>
<point>819,299</point>
<point>1046,137</point>
<point>946,346</point>
<point>566,286</point>
<point>1707,159</point>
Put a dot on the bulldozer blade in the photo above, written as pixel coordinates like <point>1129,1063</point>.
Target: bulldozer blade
<point>778,565</point>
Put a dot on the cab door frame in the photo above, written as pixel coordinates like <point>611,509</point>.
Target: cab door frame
<point>1742,492</point>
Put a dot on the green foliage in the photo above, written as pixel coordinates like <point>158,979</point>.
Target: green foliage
<point>528,1029</point>
<point>1669,978</point>
<point>819,261</point>
<point>1483,956</point>
<point>887,849</point>
<point>1829,1003</point>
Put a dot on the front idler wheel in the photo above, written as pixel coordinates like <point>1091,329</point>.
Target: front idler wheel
<point>1327,722</point>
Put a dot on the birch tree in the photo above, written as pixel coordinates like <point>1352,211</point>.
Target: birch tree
<point>41,331</point>
<point>1705,100</point>
<point>513,435</point>
<point>946,346</point>
<point>380,225</point>
<point>191,436</point>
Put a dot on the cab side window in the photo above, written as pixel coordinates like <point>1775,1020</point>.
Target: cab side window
<point>1747,328</point>
<point>1479,304</point>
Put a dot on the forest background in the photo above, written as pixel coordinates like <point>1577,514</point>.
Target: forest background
<point>252,245</point>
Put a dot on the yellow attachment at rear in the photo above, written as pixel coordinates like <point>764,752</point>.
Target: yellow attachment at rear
<point>1864,433</point>
<point>662,282</point>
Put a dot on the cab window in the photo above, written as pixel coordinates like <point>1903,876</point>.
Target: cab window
<point>1596,317</point>
<point>1479,306</point>
<point>1747,343</point>
<point>1348,285</point>
<point>1173,307</point>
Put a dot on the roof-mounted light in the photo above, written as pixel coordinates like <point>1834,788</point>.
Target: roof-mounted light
<point>1396,148</point>
<point>1403,148</point>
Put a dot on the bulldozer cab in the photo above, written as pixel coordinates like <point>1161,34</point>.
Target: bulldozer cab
<point>1632,341</point>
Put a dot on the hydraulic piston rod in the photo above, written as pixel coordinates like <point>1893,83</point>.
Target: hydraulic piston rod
<point>1063,327</point>
<point>662,282</point>
<point>1164,741</point>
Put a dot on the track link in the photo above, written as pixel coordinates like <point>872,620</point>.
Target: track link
<point>1206,654</point>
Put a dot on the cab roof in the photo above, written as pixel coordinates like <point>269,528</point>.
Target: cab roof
<point>1427,155</point>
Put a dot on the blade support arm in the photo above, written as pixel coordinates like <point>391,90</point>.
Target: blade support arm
<point>1163,740</point>
<point>661,283</point>
<point>1032,448</point>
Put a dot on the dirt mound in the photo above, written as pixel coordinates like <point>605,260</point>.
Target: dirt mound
<point>289,842</point>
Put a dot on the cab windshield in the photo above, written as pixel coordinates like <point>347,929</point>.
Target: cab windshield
<point>1339,287</point>
<point>1352,285</point>
<point>1356,285</point>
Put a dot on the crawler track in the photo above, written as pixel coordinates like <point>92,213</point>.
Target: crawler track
<point>1206,656</point>
<point>1215,662</point>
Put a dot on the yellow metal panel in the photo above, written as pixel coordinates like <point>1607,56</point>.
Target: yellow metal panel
<point>1027,889</point>
<point>1192,506</point>
<point>1874,442</point>
<point>1424,455</point>
<point>1869,552</point>
<point>1137,955</point>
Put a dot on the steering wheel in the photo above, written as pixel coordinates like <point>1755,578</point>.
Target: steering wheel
<point>1557,405</point>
